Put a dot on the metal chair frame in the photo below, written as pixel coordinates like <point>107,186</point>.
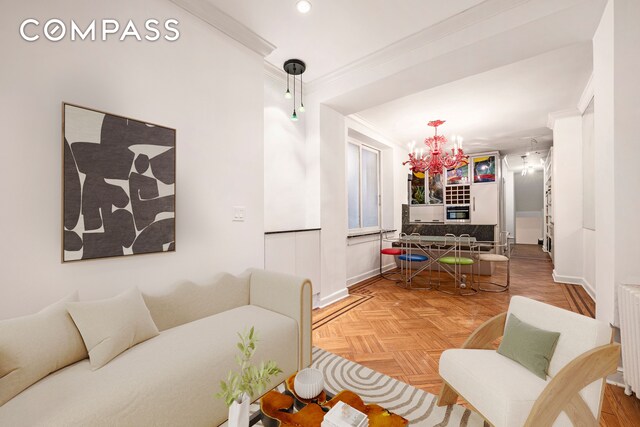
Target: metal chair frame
<point>405,266</point>
<point>456,271</point>
<point>501,247</point>
<point>395,276</point>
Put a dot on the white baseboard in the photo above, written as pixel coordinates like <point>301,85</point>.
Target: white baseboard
<point>330,299</point>
<point>372,273</point>
<point>574,280</point>
<point>617,379</point>
<point>589,288</point>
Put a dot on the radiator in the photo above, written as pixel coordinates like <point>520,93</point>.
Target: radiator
<point>629,310</point>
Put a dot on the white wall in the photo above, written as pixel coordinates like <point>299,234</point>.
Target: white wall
<point>529,201</point>
<point>617,97</point>
<point>285,161</point>
<point>589,261</point>
<point>627,149</point>
<point>603,81</point>
<point>206,86</point>
<point>529,191</point>
<point>589,196</point>
<point>567,198</point>
<point>333,202</point>
<point>509,200</point>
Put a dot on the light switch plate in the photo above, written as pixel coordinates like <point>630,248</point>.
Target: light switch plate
<point>238,213</point>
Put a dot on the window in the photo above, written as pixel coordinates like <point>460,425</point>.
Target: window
<point>363,186</point>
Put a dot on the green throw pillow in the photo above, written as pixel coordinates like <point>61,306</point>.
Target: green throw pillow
<point>529,346</point>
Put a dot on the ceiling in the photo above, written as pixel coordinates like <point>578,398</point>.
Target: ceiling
<point>336,32</point>
<point>501,109</point>
<point>494,69</point>
<point>535,159</point>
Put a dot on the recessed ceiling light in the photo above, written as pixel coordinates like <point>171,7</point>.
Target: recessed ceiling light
<point>303,6</point>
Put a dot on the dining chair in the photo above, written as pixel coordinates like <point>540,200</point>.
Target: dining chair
<point>396,276</point>
<point>500,253</point>
<point>408,258</point>
<point>457,262</point>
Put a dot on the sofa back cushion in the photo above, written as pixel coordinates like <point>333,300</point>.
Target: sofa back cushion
<point>113,325</point>
<point>32,347</point>
<point>188,302</point>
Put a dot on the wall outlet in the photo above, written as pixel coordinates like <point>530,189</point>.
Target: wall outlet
<point>238,213</point>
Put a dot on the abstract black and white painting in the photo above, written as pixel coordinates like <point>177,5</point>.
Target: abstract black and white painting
<point>119,185</point>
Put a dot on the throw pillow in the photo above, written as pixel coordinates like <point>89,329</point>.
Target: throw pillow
<point>529,346</point>
<point>111,326</point>
<point>32,347</point>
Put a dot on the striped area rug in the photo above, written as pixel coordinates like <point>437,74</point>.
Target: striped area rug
<point>418,406</point>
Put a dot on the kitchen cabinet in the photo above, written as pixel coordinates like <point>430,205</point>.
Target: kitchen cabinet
<point>295,252</point>
<point>425,189</point>
<point>485,188</point>
<point>484,203</point>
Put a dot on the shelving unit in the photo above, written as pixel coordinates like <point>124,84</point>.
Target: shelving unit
<point>547,244</point>
<point>459,194</point>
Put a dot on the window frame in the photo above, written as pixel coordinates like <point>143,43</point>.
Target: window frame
<point>361,146</point>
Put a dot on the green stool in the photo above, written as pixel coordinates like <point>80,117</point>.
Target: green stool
<point>450,260</point>
<point>457,261</point>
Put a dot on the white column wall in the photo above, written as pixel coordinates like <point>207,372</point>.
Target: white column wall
<point>333,204</point>
<point>617,95</point>
<point>603,77</point>
<point>626,68</point>
<point>509,201</point>
<point>567,199</point>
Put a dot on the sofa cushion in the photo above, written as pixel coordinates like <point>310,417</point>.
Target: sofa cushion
<point>499,388</point>
<point>31,347</point>
<point>188,302</point>
<point>111,326</point>
<point>169,380</point>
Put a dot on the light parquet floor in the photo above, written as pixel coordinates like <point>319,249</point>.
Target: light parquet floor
<point>402,333</point>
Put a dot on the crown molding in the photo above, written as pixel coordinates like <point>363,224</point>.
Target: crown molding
<point>367,124</point>
<point>218,19</point>
<point>587,95</point>
<point>506,162</point>
<point>562,114</point>
<point>274,72</point>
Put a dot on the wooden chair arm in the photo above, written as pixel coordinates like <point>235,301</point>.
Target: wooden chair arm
<point>486,333</point>
<point>561,394</point>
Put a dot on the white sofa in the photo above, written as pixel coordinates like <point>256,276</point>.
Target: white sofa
<point>171,379</point>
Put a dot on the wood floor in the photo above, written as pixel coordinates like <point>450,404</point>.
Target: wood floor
<point>402,332</point>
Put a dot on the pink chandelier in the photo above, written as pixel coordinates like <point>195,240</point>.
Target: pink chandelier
<point>435,158</point>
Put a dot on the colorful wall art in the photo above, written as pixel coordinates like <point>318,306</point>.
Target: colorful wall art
<point>484,169</point>
<point>459,174</point>
<point>119,185</point>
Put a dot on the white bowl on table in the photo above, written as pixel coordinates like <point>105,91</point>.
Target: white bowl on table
<point>308,383</point>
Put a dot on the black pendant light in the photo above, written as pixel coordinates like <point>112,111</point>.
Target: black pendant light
<point>294,67</point>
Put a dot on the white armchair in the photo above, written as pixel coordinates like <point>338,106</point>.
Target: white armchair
<point>507,395</point>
